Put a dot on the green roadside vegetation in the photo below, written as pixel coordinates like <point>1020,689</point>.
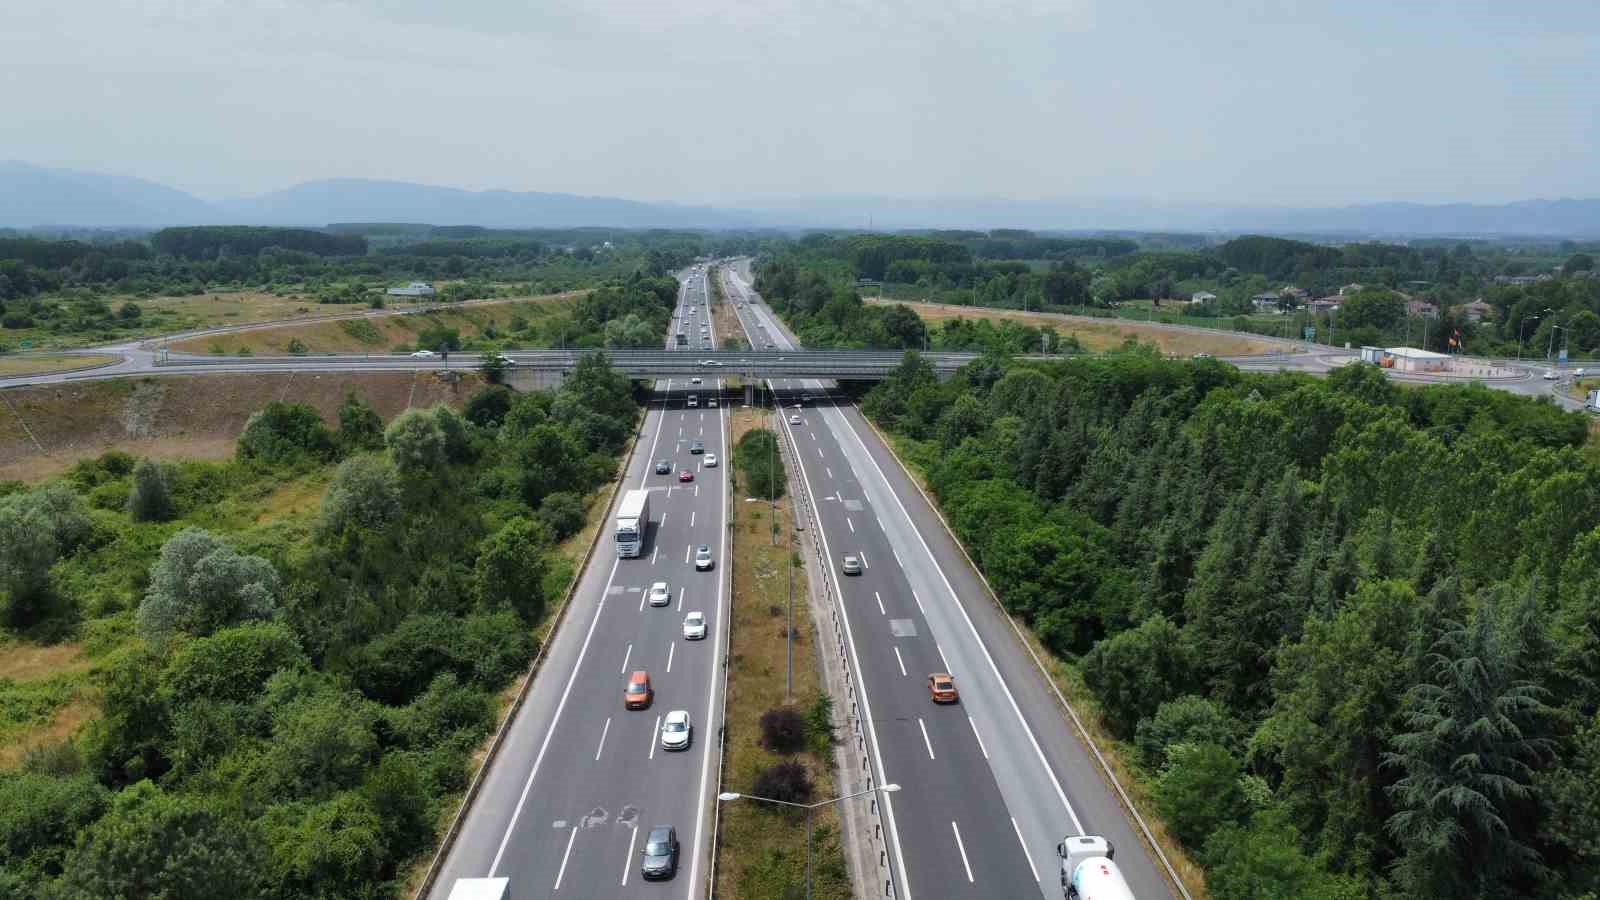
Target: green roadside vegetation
<point>273,673</point>
<point>110,286</point>
<point>41,363</point>
<point>775,747</point>
<point>1479,297</point>
<point>1290,606</point>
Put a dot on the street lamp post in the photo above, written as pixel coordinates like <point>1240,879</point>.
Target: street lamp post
<point>1551,349</point>
<point>810,808</point>
<point>1520,329</point>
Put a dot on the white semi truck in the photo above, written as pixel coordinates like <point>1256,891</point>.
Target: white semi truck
<point>633,520</point>
<point>481,889</point>
<point>1088,872</point>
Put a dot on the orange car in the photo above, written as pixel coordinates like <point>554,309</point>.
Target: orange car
<point>942,688</point>
<point>637,695</point>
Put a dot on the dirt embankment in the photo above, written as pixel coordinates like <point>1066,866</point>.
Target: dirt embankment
<point>45,429</point>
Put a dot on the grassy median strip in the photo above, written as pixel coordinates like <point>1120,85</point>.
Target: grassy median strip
<point>761,846</point>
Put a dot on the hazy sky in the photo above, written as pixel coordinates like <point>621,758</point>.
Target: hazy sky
<point>1247,101</point>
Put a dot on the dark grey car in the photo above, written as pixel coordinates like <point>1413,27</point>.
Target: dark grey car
<point>660,853</point>
<point>663,467</point>
<point>697,446</point>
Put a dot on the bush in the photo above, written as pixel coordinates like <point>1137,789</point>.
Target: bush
<point>39,817</point>
<point>563,513</point>
<point>415,442</point>
<point>360,426</point>
<point>510,569</point>
<point>1200,792</point>
<point>201,584</point>
<point>759,464</point>
<point>488,407</point>
<point>285,432</point>
<point>296,347</point>
<point>819,724</point>
<point>457,444</point>
<point>150,500</point>
<point>787,781</point>
<point>364,494</point>
<point>783,730</point>
<point>233,665</point>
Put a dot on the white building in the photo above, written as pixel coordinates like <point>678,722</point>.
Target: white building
<point>414,289</point>
<point>1201,296</point>
<point>1413,361</point>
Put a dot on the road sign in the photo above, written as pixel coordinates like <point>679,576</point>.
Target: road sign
<point>1561,357</point>
<point>25,345</point>
<point>1311,333</point>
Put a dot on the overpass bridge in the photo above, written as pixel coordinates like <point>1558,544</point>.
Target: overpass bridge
<point>837,365</point>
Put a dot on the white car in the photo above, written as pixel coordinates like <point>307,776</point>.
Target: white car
<point>694,626</point>
<point>711,460</point>
<point>676,730</point>
<point>506,361</point>
<point>660,594</point>
<point>1549,374</point>
<point>709,362</point>
<point>702,558</point>
<point>695,380</point>
<point>794,420</point>
<point>712,403</point>
<point>423,354</point>
<point>1577,373</point>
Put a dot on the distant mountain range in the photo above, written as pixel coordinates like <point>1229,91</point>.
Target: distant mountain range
<point>36,196</point>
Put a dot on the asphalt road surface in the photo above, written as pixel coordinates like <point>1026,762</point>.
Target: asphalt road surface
<point>580,781</point>
<point>988,785</point>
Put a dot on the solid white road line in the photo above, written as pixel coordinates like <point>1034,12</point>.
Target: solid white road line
<point>902,662</point>
<point>551,731</point>
<point>919,603</point>
<point>603,732</point>
<point>671,649</point>
<point>941,656</point>
<point>653,732</point>
<point>560,873</point>
<point>925,741</point>
<point>993,668</point>
<point>959,846</point>
<point>879,598</point>
<point>1024,844</point>
<point>897,557</point>
<point>627,864</point>
<point>625,658</point>
<point>981,747</point>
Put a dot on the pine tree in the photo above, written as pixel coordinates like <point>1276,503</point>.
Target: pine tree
<point>1478,727</point>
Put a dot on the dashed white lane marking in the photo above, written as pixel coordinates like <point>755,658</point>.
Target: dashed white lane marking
<point>653,733</point>
<point>673,648</point>
<point>625,657</point>
<point>851,524</point>
<point>561,873</point>
<point>879,598</point>
<point>925,741</point>
<point>959,846</point>
<point>603,732</point>
<point>627,864</point>
<point>902,662</point>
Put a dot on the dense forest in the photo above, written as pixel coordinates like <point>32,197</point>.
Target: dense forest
<point>287,702</point>
<point>1348,633</point>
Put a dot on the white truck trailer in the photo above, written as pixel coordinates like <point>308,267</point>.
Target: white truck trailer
<point>1591,401</point>
<point>481,889</point>
<point>633,520</point>
<point>1088,872</point>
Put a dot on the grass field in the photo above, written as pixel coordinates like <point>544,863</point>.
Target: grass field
<point>376,334</point>
<point>50,362</point>
<point>1099,335</point>
<point>761,848</point>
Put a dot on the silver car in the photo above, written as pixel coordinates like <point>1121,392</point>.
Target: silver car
<point>702,558</point>
<point>852,565</point>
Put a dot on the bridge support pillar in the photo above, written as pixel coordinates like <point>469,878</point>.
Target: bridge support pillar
<point>749,393</point>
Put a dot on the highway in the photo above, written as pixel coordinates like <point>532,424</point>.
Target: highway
<point>580,781</point>
<point>991,784</point>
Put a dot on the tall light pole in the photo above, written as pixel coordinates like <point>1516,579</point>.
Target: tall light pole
<point>810,808</point>
<point>1520,328</point>
<point>1552,346</point>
